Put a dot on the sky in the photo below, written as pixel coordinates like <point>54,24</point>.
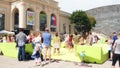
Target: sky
<point>73,5</point>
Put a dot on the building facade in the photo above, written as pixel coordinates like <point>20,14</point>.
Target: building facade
<point>34,15</point>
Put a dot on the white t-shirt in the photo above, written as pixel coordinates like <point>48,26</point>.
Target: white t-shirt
<point>37,39</point>
<point>117,49</point>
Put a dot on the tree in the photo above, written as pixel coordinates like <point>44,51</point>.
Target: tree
<point>81,21</point>
<point>92,20</point>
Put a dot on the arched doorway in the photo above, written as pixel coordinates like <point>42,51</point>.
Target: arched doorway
<point>16,19</point>
<point>53,23</point>
<point>30,19</point>
<point>43,21</point>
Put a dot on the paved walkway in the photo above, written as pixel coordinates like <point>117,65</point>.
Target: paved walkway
<point>7,62</point>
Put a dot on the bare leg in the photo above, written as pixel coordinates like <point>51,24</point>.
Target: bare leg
<point>58,50</point>
<point>45,54</point>
<point>54,50</point>
<point>111,55</point>
<point>49,57</point>
<point>49,53</point>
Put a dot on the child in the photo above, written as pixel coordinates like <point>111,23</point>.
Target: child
<point>70,44</point>
<point>37,55</point>
<point>56,41</point>
<point>81,40</point>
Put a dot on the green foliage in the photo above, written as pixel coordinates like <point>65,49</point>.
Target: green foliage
<point>92,20</point>
<point>81,20</point>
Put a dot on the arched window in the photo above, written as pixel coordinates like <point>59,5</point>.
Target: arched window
<point>43,21</point>
<point>30,19</point>
<point>64,28</point>
<point>2,21</point>
<point>53,23</point>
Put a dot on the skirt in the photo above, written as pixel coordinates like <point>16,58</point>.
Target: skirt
<point>57,45</point>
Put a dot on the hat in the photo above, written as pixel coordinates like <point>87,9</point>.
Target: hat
<point>46,29</point>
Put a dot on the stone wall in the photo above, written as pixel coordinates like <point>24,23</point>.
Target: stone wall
<point>107,18</point>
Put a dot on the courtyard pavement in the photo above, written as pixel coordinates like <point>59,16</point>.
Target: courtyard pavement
<point>7,62</point>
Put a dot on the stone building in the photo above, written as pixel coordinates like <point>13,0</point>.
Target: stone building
<point>107,18</point>
<point>34,15</point>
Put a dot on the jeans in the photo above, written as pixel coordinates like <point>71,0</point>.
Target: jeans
<point>21,53</point>
<point>115,58</point>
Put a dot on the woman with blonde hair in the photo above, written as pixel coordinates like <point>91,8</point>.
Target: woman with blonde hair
<point>38,42</point>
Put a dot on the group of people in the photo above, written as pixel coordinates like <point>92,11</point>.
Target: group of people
<point>7,38</point>
<point>81,39</point>
<point>41,43</point>
<point>89,39</point>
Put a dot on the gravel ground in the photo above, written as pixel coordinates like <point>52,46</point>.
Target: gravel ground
<point>7,62</point>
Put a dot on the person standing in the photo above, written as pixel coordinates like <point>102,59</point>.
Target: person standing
<point>109,42</point>
<point>56,41</point>
<point>89,39</point>
<point>47,44</point>
<point>70,44</point>
<point>21,39</point>
<point>30,39</point>
<point>81,40</point>
<point>116,49</point>
<point>76,40</point>
<point>38,42</point>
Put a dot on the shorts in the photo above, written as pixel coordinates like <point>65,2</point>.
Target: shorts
<point>47,50</point>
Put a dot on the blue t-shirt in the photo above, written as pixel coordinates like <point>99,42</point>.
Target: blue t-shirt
<point>115,38</point>
<point>46,39</point>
